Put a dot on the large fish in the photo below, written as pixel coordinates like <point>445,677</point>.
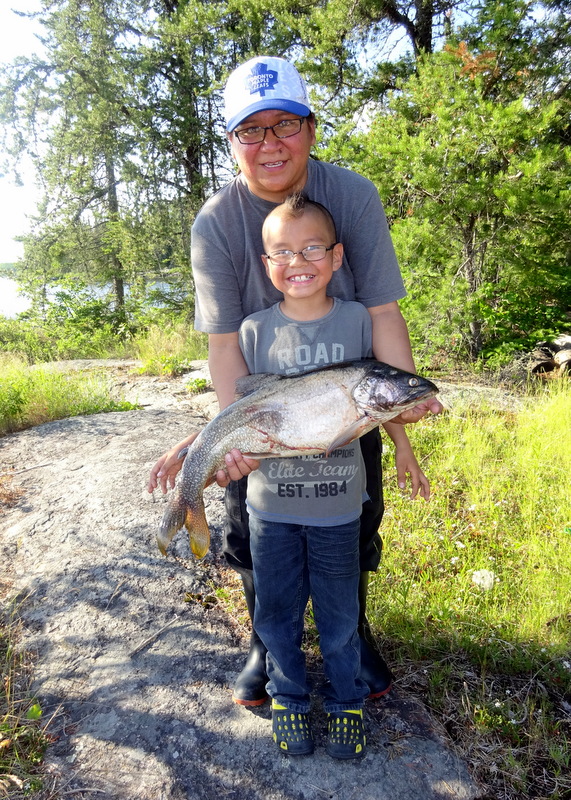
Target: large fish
<point>275,416</point>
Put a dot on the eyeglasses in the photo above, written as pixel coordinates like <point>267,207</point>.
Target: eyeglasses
<point>315,252</point>
<point>282,130</point>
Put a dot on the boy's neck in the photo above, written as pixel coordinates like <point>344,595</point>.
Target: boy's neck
<point>306,309</point>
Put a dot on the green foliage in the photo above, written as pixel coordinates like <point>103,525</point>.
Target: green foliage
<point>469,146</point>
<point>169,348</point>
<point>477,192</point>
<point>197,385</point>
<point>23,736</point>
<point>492,657</point>
<point>30,396</point>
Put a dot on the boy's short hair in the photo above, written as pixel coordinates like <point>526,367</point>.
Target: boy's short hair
<point>296,205</point>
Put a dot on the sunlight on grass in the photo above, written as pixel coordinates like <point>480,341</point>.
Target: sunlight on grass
<point>33,395</point>
<point>476,583</point>
<point>168,349</point>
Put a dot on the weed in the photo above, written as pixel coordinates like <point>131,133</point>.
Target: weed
<point>23,735</point>
<point>197,385</point>
<point>33,395</point>
<point>169,349</point>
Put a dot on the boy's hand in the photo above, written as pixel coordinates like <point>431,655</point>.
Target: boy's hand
<point>168,466</point>
<point>408,465</point>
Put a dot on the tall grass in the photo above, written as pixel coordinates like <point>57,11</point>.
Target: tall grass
<point>168,349</point>
<point>474,591</point>
<point>32,395</point>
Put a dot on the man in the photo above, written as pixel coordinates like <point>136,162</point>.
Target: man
<point>271,130</point>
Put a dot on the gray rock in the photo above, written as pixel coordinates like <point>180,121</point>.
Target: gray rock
<point>135,680</point>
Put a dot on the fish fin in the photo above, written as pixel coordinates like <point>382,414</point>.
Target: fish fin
<point>354,431</point>
<point>249,384</point>
<point>198,531</point>
<point>172,521</point>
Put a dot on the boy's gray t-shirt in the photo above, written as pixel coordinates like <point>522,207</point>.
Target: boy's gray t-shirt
<point>230,279</point>
<point>307,490</point>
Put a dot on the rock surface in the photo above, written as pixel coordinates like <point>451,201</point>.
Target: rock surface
<point>134,665</point>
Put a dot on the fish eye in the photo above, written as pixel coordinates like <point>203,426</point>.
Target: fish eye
<point>413,381</point>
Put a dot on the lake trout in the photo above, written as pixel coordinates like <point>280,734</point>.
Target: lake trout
<point>280,416</point>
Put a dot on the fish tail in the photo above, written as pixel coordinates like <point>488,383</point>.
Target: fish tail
<point>172,521</point>
<point>198,531</point>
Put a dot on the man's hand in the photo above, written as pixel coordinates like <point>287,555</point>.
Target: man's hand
<point>237,466</point>
<point>411,415</point>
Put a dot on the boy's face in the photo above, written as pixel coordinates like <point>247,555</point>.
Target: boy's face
<point>274,168</point>
<point>300,278</point>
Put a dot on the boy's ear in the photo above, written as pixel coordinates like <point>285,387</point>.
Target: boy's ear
<point>337,256</point>
<point>265,262</point>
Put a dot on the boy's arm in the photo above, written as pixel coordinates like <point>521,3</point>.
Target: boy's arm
<point>406,462</point>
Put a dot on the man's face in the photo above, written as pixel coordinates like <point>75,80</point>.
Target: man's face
<point>274,168</point>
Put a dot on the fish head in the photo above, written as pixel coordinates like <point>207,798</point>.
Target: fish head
<point>384,392</point>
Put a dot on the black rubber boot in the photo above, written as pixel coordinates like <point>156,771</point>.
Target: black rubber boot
<point>250,686</point>
<point>374,670</point>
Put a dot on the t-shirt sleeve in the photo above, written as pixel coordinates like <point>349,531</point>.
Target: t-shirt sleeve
<point>371,255</point>
<point>218,299</point>
<point>247,340</point>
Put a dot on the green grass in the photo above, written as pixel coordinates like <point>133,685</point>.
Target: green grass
<point>169,349</point>
<point>32,395</point>
<point>495,663</point>
<point>23,731</point>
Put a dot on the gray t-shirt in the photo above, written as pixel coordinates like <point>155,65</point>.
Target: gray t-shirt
<point>307,490</point>
<point>230,279</point>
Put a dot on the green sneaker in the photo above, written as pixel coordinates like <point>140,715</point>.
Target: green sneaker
<point>291,731</point>
<point>346,737</point>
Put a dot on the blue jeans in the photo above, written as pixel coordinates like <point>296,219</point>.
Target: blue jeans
<point>292,562</point>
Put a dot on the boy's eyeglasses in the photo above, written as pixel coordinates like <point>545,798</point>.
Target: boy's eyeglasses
<point>315,252</point>
<point>283,129</point>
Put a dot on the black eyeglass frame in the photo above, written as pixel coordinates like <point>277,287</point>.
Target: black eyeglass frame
<point>272,128</point>
<point>293,254</point>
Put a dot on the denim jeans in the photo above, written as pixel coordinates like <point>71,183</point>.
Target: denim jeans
<point>237,534</point>
<point>292,562</point>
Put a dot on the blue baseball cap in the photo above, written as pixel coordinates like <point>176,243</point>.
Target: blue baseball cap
<point>264,82</point>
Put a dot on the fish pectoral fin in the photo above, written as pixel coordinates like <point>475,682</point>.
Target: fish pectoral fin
<point>356,429</point>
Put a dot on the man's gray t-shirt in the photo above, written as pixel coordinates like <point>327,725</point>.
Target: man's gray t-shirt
<point>230,279</point>
<point>307,490</point>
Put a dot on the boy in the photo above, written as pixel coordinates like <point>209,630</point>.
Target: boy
<point>304,512</point>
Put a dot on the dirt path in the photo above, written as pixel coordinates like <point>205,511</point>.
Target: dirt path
<point>134,668</point>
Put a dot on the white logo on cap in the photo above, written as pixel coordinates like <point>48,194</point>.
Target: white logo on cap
<point>261,80</point>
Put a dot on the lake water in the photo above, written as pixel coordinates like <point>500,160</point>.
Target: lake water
<point>11,303</point>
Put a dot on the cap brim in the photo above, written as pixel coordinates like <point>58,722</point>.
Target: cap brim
<point>265,105</point>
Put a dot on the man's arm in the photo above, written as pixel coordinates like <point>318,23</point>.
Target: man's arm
<point>226,364</point>
<point>391,344</point>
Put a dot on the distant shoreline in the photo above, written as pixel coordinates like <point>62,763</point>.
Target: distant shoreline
<point>11,302</point>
